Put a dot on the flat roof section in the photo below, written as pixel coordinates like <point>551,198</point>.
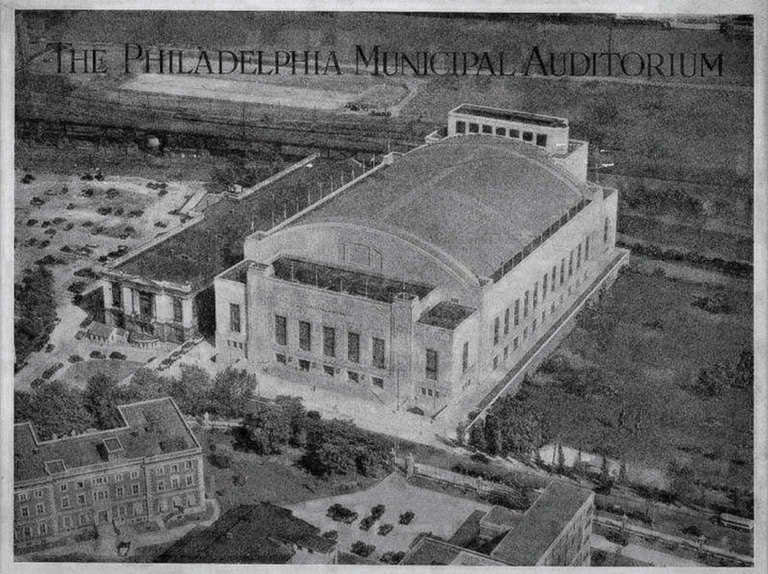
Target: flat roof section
<point>525,544</point>
<point>197,254</point>
<point>446,315</point>
<point>348,281</point>
<point>511,116</point>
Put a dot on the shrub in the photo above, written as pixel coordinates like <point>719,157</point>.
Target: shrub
<point>362,549</point>
<point>220,460</point>
<point>406,517</point>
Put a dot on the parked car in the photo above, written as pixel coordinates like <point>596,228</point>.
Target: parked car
<point>96,355</point>
<point>117,355</point>
<point>406,517</point>
<point>385,529</point>
<point>367,522</point>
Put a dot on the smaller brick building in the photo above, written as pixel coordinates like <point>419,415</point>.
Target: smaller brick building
<point>148,468</point>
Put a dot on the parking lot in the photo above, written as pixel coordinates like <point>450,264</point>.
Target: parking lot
<point>434,512</point>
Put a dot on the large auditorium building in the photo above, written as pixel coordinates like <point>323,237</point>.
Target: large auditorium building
<point>432,278</point>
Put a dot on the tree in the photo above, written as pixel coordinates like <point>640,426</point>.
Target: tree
<point>34,312</point>
<point>461,429</point>
<point>23,407</point>
<point>101,398</point>
<point>605,481</point>
<point>146,384</point>
<point>294,409</point>
<point>745,369</point>
<point>713,380</point>
<point>492,433</point>
<point>267,428</point>
<point>681,484</point>
<point>477,435</point>
<point>623,473</point>
<point>191,390</point>
<point>59,410</point>
<point>560,459</point>
<point>232,392</point>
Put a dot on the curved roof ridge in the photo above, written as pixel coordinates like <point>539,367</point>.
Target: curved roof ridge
<point>526,150</point>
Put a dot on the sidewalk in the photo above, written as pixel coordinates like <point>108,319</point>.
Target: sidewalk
<point>647,555</point>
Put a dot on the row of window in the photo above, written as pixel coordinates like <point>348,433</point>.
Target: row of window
<point>189,480</point>
<point>531,297</point>
<point>329,370</point>
<point>146,303</point>
<point>427,392</point>
<point>527,136</point>
<point>101,495</point>
<point>329,342</point>
<point>235,344</point>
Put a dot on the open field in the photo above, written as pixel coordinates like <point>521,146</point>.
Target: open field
<point>434,512</point>
<point>251,92</point>
<point>650,344</point>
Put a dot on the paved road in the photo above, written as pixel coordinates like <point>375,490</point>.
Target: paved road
<point>641,553</point>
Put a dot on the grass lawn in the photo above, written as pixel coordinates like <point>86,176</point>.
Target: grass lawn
<point>648,370</point>
<point>77,374</point>
<point>275,479</point>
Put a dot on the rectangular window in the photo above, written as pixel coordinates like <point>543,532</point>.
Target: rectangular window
<point>562,271</point>
<point>461,127</point>
<point>303,364</point>
<point>80,484</point>
<point>305,336</point>
<point>430,370</point>
<point>487,129</point>
<point>146,305</point>
<point>517,312</point>
<point>353,347</point>
<point>541,140</point>
<point>474,128</point>
<point>81,499</point>
<point>160,485</point>
<point>135,489</point>
<point>67,522</point>
<point>605,230</point>
<point>501,131</point>
<point>525,304</point>
<point>280,358</point>
<point>160,470</point>
<point>117,295</point>
<point>188,480</point>
<point>570,265</point>
<point>118,478</point>
<point>38,494</point>
<point>39,508</point>
<point>24,511</point>
<point>495,361</point>
<point>586,248</point>
<point>496,331</point>
<point>353,377</point>
<point>63,487</point>
<point>138,508</point>
<point>81,518</point>
<point>329,341</point>
<point>234,317</point>
<point>177,310</point>
<point>465,356</point>
<point>554,277</point>
<point>65,502</point>
<point>328,370</point>
<point>120,491</point>
<point>533,326</point>
<point>544,287</point>
<point>514,133</point>
<point>506,321</point>
<point>281,330</point>
<point>23,497</point>
<point>506,352</point>
<point>527,136</point>
<point>578,257</point>
<point>174,482</point>
<point>378,382</point>
<point>535,294</point>
<point>378,353</point>
<point>188,465</point>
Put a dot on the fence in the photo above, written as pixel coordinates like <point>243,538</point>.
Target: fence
<point>480,485</point>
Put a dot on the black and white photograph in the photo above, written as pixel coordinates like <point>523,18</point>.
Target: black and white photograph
<point>402,285</point>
